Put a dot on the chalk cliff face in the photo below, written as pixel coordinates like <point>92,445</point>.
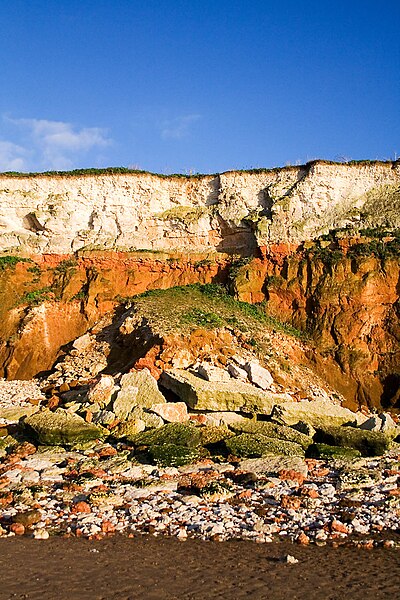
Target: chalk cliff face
<point>318,244</point>
<point>234,211</point>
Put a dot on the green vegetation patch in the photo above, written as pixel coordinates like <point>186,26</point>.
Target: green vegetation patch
<point>173,455</point>
<point>379,248</point>
<point>369,443</point>
<point>185,308</point>
<point>37,296</point>
<point>199,317</point>
<point>324,451</point>
<point>177,434</point>
<point>273,430</point>
<point>7,262</point>
<point>65,265</point>
<point>255,445</point>
<point>329,256</point>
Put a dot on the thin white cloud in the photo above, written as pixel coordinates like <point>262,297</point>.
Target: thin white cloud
<point>179,127</point>
<point>58,144</point>
<point>12,156</point>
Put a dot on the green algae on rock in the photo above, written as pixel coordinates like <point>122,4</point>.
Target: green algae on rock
<point>61,428</point>
<point>254,445</point>
<point>213,434</point>
<point>273,430</point>
<point>179,434</point>
<point>175,455</point>
<point>369,443</point>
<point>324,451</point>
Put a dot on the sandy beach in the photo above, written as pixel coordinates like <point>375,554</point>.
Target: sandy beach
<point>146,568</point>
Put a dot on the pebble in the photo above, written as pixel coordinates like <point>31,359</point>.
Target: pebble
<point>99,493</point>
<point>291,560</point>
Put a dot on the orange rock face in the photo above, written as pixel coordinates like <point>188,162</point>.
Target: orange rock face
<point>51,300</point>
<point>350,305</point>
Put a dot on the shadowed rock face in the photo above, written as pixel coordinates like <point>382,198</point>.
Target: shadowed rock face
<point>83,243</point>
<point>349,304</point>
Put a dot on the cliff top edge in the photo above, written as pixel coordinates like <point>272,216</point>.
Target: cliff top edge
<point>127,171</point>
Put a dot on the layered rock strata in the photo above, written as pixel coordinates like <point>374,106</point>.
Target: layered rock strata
<point>317,243</point>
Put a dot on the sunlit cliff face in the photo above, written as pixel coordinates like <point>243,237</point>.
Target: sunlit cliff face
<point>318,244</point>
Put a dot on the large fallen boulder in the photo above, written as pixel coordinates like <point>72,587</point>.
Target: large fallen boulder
<point>200,394</point>
<point>383,423</point>
<point>254,445</point>
<point>369,443</point>
<point>273,465</point>
<point>326,452</point>
<point>174,455</point>
<point>179,434</point>
<point>317,413</point>
<point>273,430</point>
<point>138,388</point>
<point>61,428</point>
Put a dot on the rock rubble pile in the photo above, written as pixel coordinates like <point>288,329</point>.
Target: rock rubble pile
<point>208,452</point>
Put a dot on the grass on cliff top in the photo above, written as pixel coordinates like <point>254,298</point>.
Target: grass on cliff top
<point>208,306</point>
<point>126,170</point>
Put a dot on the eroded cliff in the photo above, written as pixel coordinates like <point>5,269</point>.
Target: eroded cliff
<point>318,245</point>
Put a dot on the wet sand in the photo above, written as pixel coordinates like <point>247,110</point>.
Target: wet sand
<point>146,568</point>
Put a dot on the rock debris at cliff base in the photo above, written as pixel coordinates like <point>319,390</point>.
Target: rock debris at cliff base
<point>102,492</point>
<point>164,469</point>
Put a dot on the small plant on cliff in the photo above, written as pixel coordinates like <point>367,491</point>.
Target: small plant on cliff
<point>236,266</point>
<point>205,262</point>
<point>199,317</point>
<point>330,257</point>
<point>378,248</point>
<point>81,295</point>
<point>7,262</point>
<point>37,296</point>
<point>65,265</point>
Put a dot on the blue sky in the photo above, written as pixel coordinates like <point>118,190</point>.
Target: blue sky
<point>197,85</point>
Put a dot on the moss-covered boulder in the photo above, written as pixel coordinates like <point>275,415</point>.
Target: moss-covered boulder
<point>324,451</point>
<point>178,434</point>
<point>128,428</point>
<point>369,443</point>
<point>273,430</point>
<point>212,434</point>
<point>61,428</point>
<point>174,455</point>
<point>200,394</point>
<point>254,445</point>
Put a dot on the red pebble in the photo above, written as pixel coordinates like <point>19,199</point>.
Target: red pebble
<point>291,475</point>
<point>81,507</point>
<point>17,528</point>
